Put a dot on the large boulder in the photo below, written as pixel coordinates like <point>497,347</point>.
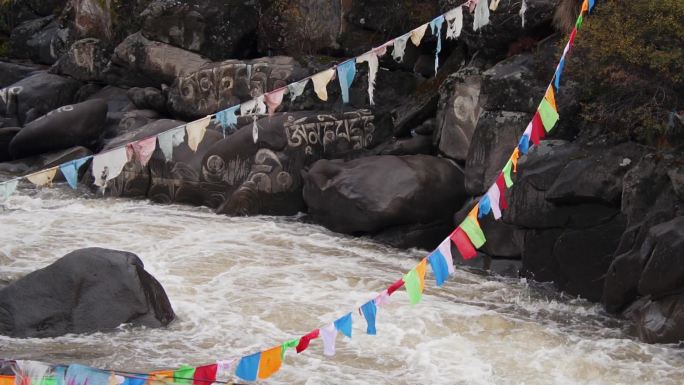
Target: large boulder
<point>93,18</point>
<point>71,125</point>
<point>85,291</point>
<point>11,73</point>
<point>659,321</point>
<point>86,60</point>
<point>40,92</point>
<point>6,135</point>
<point>369,194</point>
<point>42,40</point>
<point>215,86</point>
<point>138,61</point>
<point>458,112</point>
<point>218,29</point>
<point>264,177</point>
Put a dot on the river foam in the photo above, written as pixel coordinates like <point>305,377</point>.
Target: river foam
<point>239,285</point>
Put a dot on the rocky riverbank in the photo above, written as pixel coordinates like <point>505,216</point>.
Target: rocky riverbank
<point>597,214</point>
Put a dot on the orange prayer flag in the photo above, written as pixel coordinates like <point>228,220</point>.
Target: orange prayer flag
<point>585,6</point>
<point>270,362</point>
<point>514,159</point>
<point>6,380</point>
<point>420,269</point>
<point>551,97</point>
<point>160,377</point>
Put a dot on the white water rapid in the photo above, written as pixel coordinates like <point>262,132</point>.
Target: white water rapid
<point>239,285</point>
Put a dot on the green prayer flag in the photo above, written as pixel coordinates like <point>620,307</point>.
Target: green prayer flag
<point>47,381</point>
<point>580,19</point>
<point>548,114</point>
<point>184,374</point>
<point>291,344</point>
<point>412,285</point>
<point>474,232</point>
<point>507,173</point>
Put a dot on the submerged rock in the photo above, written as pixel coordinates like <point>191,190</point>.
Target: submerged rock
<point>87,290</point>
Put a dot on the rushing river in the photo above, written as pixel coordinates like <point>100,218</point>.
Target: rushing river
<point>239,285</point>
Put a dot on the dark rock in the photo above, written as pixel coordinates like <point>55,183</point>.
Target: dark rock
<point>424,236</point>
<point>42,40</point>
<point>264,178</point>
<point>418,144</point>
<point>512,85</point>
<point>6,135</point>
<point>94,18</point>
<point>622,281</point>
<point>41,91</point>
<point>217,29</point>
<point>11,73</point>
<point>346,196</point>
<point>154,128</point>
<point>663,250</point>
<point>659,321</point>
<point>86,60</point>
<point>85,291</point>
<point>458,111</point>
<point>426,128</point>
<point>505,26</point>
<point>390,17</point>
<point>594,174</point>
<point>152,63</point>
<point>213,87</point>
<point>132,120</point>
<point>299,26</point>
<point>148,98</point>
<point>72,125</point>
<point>496,135</point>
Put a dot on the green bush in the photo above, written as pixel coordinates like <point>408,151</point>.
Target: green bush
<point>629,60</point>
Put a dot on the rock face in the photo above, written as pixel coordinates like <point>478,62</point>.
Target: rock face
<point>42,40</point>
<point>41,92</point>
<point>213,87</point>
<point>458,113</point>
<point>217,29</point>
<point>85,291</point>
<point>6,135</point>
<point>72,125</point>
<point>86,60</point>
<point>369,194</point>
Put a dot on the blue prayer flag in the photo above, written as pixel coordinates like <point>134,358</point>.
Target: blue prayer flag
<point>439,267</point>
<point>137,380</point>
<point>436,28</point>
<point>485,206</point>
<point>559,71</point>
<point>369,311</point>
<point>591,4</point>
<point>345,74</point>
<point>524,144</point>
<point>227,118</point>
<point>248,367</point>
<point>344,325</point>
<point>70,170</point>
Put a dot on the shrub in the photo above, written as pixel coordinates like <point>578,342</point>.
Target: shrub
<point>629,61</point>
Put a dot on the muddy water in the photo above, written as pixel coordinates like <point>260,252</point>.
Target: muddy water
<point>239,285</point>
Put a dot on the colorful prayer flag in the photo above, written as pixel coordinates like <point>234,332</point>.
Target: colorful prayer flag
<point>550,96</point>
<point>485,206</point>
<point>415,282</point>
<point>227,118</point>
<point>400,47</point>
<point>507,173</point>
<point>369,312</point>
<point>305,340</point>
<point>8,188</point>
<point>273,100</point>
<point>481,17</point>
<point>501,184</point>
<point>248,367</point>
<point>439,267</point>
<point>297,89</point>
<point>328,335</point>
<point>205,375</point>
<point>548,115</point>
<point>320,82</point>
<point>42,178</point>
<point>373,63</point>
<point>436,28</point>
<point>184,374</point>
<point>494,197</point>
<point>169,140</point>
<point>344,325</point>
<point>454,20</point>
<point>538,131</point>
<point>471,227</point>
<point>559,72</point>
<point>463,244</point>
<point>346,72</point>
<point>196,132</point>
<point>417,34</point>
<point>291,344</point>
<point>70,170</point>
<point>270,362</point>
<point>445,249</point>
<point>395,286</point>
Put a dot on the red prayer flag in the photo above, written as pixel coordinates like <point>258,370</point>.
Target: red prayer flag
<point>501,184</point>
<point>463,244</point>
<point>395,286</point>
<point>304,341</point>
<point>538,131</point>
<point>571,41</point>
<point>204,375</point>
